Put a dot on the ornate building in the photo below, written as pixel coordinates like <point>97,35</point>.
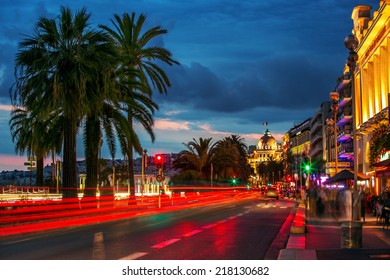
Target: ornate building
<point>267,149</point>
<point>370,95</point>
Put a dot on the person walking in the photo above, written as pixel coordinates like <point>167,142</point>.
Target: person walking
<point>379,210</point>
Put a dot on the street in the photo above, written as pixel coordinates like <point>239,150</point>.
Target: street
<point>241,229</point>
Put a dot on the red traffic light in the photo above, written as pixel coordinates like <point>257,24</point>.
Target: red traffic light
<point>159,160</point>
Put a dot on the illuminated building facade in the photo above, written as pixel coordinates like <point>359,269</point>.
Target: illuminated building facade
<point>300,139</point>
<point>370,100</point>
<point>318,131</point>
<point>299,148</point>
<point>267,149</point>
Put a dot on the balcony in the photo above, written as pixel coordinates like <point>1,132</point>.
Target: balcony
<point>345,97</point>
<point>345,134</point>
<point>316,151</point>
<point>316,138</point>
<point>345,117</point>
<point>316,126</point>
<point>345,150</point>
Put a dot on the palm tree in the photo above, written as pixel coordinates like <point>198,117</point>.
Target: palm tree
<point>114,125</point>
<point>241,167</point>
<point>195,162</point>
<point>137,55</point>
<point>54,66</point>
<point>225,159</point>
<point>34,136</point>
<point>270,169</point>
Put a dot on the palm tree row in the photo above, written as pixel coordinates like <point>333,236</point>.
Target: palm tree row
<point>205,160</point>
<point>71,76</point>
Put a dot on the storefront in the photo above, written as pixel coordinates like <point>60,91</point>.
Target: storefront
<point>382,174</point>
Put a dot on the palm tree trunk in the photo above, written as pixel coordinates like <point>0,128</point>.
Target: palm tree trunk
<point>53,173</point>
<point>39,178</point>
<point>130,166</point>
<point>69,185</point>
<point>92,156</point>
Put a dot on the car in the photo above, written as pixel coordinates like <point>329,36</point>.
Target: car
<point>272,193</point>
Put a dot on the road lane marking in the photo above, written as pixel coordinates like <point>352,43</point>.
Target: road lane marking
<point>98,250</point>
<point>134,256</point>
<point>232,217</point>
<point>165,243</point>
<point>210,226</point>
<point>191,233</point>
<point>221,221</point>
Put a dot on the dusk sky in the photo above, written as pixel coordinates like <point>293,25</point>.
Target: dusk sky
<point>242,63</point>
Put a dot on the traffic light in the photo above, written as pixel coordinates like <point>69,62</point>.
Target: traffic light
<point>159,160</point>
<point>307,167</point>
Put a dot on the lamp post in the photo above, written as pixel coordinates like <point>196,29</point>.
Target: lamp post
<point>351,232</point>
<point>334,96</point>
<point>351,43</point>
<point>144,164</point>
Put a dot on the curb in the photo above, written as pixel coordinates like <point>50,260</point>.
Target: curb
<point>296,244</point>
<point>299,223</point>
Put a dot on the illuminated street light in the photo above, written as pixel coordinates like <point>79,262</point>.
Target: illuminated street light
<point>351,43</point>
<point>144,163</point>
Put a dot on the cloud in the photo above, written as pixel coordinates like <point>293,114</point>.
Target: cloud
<point>166,124</point>
<point>6,107</point>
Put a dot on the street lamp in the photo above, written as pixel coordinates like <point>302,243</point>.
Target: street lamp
<point>144,163</point>
<point>334,96</point>
<point>351,232</point>
<point>351,43</point>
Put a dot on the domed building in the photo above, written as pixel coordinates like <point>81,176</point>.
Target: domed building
<point>267,148</point>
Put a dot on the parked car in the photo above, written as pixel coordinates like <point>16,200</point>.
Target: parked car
<point>272,193</point>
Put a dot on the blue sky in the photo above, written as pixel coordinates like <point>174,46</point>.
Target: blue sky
<point>242,63</point>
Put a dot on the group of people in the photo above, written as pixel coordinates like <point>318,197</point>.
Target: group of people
<point>381,208</point>
<point>339,204</point>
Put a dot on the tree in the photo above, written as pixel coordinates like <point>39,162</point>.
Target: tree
<point>195,162</point>
<point>239,150</point>
<point>34,136</point>
<point>55,66</point>
<point>270,169</point>
<point>379,143</point>
<point>114,125</point>
<point>136,54</point>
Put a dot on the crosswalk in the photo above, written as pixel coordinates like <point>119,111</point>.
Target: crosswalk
<point>272,203</point>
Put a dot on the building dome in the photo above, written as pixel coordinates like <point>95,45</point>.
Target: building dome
<point>267,142</point>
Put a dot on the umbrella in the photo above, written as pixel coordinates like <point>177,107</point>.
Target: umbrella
<point>347,175</point>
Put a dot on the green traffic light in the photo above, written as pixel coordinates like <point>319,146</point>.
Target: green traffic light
<point>307,167</point>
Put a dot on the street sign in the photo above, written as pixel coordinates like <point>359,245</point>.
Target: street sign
<point>339,164</point>
<point>29,163</point>
<point>160,178</point>
<point>31,159</point>
<point>32,168</point>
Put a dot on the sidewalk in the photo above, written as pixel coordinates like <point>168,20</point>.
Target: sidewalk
<point>320,239</point>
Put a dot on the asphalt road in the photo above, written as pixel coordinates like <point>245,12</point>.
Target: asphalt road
<point>241,229</point>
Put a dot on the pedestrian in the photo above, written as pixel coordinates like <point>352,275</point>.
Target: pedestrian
<point>386,209</point>
<point>379,210</point>
<point>322,200</point>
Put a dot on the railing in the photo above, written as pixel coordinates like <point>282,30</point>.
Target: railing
<point>24,190</point>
